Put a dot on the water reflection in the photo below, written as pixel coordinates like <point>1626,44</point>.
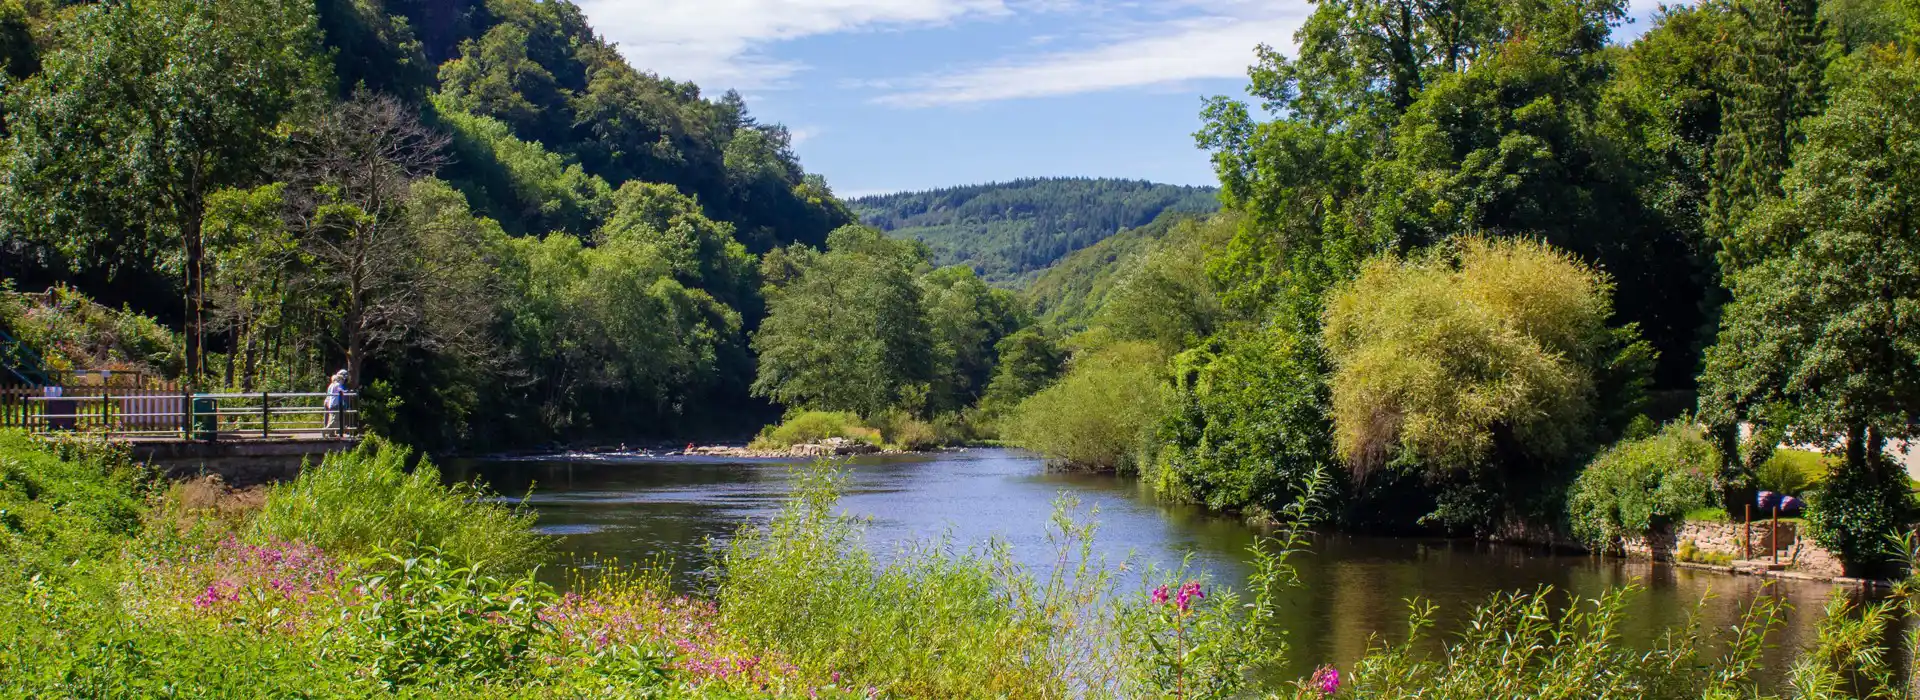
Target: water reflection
<point>1356,588</point>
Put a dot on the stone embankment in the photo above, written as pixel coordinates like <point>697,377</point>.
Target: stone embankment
<point>1742,548</point>
<point>830,447</point>
<point>1727,547</point>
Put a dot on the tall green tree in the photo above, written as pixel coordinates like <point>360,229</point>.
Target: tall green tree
<point>850,333</point>
<point>967,320</point>
<point>145,110</point>
<point>1773,82</point>
<point>1821,338</point>
<point>703,252</point>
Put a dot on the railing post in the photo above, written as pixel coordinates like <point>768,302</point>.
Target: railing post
<point>266,417</point>
<point>106,408</point>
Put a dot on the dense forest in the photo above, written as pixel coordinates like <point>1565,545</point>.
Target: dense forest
<point>503,231</point>
<point>1007,231</point>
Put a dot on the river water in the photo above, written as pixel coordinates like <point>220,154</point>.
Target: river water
<point>638,509</point>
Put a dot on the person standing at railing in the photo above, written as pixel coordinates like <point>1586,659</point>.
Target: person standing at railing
<point>336,402</point>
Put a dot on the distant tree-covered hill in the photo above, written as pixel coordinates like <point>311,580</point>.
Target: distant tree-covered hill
<point>1009,231</point>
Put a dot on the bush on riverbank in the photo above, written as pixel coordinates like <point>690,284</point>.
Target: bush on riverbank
<point>356,503</point>
<point>1100,415</point>
<point>814,426</point>
<point>1638,485</point>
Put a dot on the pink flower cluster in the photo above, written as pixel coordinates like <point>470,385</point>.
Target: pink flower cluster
<point>1182,598</point>
<point>279,573</point>
<point>689,628</point>
<point>1327,679</point>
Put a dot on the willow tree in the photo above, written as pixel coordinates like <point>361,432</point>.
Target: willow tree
<point>146,109</point>
<point>1476,365</point>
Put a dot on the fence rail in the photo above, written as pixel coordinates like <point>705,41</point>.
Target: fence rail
<point>163,414</point>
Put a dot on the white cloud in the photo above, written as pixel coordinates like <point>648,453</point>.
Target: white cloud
<point>802,134</point>
<point>719,43</point>
<point>1210,46</point>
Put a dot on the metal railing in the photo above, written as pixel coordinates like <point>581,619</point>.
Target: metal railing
<point>181,416</point>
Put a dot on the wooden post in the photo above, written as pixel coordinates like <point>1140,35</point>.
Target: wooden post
<point>265,417</point>
<point>106,407</point>
<point>1773,540</point>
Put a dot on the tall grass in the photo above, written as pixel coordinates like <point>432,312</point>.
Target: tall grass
<point>367,500</point>
<point>932,621</point>
<point>928,623</point>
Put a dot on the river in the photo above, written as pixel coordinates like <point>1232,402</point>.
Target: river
<point>637,508</point>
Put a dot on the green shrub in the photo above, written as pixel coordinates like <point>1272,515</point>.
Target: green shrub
<point>813,426</point>
<point>1793,472</point>
<point>1638,485</point>
<point>1247,423</point>
<point>1100,415</point>
<point>900,430</point>
<point>359,502</point>
<point>67,499</point>
<point>1857,509</point>
<point>426,618</point>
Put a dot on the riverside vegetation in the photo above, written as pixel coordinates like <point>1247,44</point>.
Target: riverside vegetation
<point>363,579</point>
<point>1511,274</point>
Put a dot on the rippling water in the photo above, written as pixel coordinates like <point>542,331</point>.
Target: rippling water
<point>638,508</point>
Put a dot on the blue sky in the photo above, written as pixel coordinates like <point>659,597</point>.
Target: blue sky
<point>888,95</point>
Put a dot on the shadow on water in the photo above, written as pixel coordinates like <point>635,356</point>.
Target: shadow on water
<point>637,509</point>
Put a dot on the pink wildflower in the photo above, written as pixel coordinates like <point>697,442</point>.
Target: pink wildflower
<point>1160,595</point>
<point>1327,679</point>
<point>1189,593</point>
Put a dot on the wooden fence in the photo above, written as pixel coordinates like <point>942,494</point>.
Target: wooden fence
<point>166,413</point>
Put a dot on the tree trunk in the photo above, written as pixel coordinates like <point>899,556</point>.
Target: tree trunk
<point>196,298</point>
<point>1856,446</point>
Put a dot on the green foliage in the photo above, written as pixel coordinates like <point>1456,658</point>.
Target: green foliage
<point>1638,486</point>
<point>1247,422</point>
<point>850,332</point>
<point>1006,231</point>
<point>1072,291</point>
<point>924,624</point>
<point>623,345</point>
<point>1167,296</point>
<point>812,427</point>
<point>1437,361</point>
<point>1101,415</point>
<point>68,331</point>
<point>1813,342</point>
<point>367,501</point>
<point>144,111</point>
<point>701,251</point>
<point>65,502</point>
<point>429,618</point>
<point>1856,510</point>
<point>528,188</point>
<point>1542,645</point>
<point>1028,361</point>
<point>967,320</point>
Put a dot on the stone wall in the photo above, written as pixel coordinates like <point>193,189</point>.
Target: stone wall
<point>1723,542</point>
